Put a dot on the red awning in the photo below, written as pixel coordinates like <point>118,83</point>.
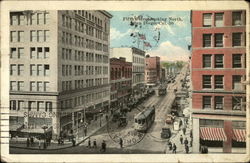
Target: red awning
<point>212,133</point>
<point>239,135</point>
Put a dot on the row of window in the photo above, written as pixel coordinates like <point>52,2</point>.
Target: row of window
<point>35,70</point>
<point>220,123</point>
<point>138,68</point>
<point>119,85</point>
<point>138,60</point>
<point>218,60</point>
<point>217,19</point>
<point>237,40</point>
<point>119,73</point>
<point>217,103</point>
<point>35,52</point>
<point>38,86</point>
<point>32,105</point>
<point>29,17</point>
<point>138,78</point>
<point>219,82</point>
<point>89,16</point>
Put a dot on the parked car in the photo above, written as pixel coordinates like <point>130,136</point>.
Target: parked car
<point>165,133</point>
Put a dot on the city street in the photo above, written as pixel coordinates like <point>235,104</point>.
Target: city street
<point>151,142</point>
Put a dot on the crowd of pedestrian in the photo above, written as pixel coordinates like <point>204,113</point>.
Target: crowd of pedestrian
<point>31,142</point>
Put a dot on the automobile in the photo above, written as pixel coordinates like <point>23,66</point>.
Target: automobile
<point>165,133</point>
<point>116,117</point>
<point>170,119</point>
<point>122,122</point>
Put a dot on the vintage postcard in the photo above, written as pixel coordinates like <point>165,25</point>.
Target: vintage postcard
<point>128,81</point>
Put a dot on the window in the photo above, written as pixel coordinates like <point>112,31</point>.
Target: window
<point>20,36</point>
<point>207,61</point>
<point>40,105</point>
<point>33,19</point>
<point>237,85</point>
<point>40,18</point>
<point>13,86</point>
<point>12,105</point>
<point>46,52</point>
<point>48,106</point>
<point>207,102</point>
<point>218,39</point>
<point>206,40</point>
<point>211,123</point>
<point>39,86</point>
<point>46,70</point>
<point>46,34</point>
<point>207,20</point>
<point>46,18</point>
<point>219,20</point>
<point>13,53</point>
<point>207,81</point>
<point>237,18</point>
<point>13,36</point>
<point>218,61</point>
<point>236,102</point>
<point>20,69</point>
<point>32,86</point>
<point>218,81</point>
<point>33,37</point>
<point>40,54</point>
<point>20,52</point>
<point>20,85</point>
<point>13,69</point>
<point>32,70</point>
<point>32,53</point>
<point>239,124</point>
<point>39,70</point>
<point>14,20</point>
<point>20,105</point>
<point>21,20</point>
<point>218,102</point>
<point>46,86</point>
<point>237,60</point>
<point>237,39</point>
<point>40,36</point>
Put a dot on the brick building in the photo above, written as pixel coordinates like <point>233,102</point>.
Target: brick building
<point>120,80</point>
<point>218,66</point>
<point>152,70</point>
<point>59,67</point>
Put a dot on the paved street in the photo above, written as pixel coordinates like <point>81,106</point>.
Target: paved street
<point>150,143</point>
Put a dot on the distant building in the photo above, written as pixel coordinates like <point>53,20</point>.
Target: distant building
<point>218,71</point>
<point>163,74</point>
<point>121,81</point>
<point>59,67</point>
<point>137,57</point>
<point>152,70</point>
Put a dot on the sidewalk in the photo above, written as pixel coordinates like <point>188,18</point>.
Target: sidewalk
<point>93,128</point>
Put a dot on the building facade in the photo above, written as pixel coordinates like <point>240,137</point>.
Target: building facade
<point>121,81</point>
<point>137,57</point>
<point>152,70</point>
<point>218,71</point>
<point>59,69</point>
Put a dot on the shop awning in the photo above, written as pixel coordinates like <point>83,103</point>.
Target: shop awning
<point>213,134</point>
<point>239,135</point>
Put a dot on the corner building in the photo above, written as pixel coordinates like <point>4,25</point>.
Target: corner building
<point>152,70</point>
<point>59,69</point>
<point>218,72</point>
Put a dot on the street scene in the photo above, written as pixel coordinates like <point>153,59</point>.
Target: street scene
<point>123,82</point>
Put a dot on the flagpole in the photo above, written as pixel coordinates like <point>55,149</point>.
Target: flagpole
<point>138,43</point>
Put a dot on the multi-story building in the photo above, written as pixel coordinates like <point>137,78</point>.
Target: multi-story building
<point>121,81</point>
<point>163,74</point>
<point>152,70</point>
<point>137,57</point>
<point>218,71</point>
<point>59,67</point>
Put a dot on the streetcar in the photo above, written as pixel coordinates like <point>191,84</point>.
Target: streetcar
<point>144,119</point>
<point>161,90</point>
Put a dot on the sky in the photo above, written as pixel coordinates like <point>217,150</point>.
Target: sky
<point>168,32</point>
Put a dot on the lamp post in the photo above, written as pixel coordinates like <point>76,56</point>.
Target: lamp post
<point>44,127</point>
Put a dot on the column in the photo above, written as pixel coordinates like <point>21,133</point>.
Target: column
<point>196,135</point>
<point>227,145</point>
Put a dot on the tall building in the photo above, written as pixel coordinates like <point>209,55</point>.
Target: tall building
<point>121,81</point>
<point>152,70</point>
<point>218,71</point>
<point>59,69</point>
<point>137,57</point>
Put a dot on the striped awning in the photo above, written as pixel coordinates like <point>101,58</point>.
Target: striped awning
<point>212,133</point>
<point>239,135</point>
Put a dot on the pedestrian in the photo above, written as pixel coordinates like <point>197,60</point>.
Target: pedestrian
<point>59,140</point>
<point>170,145</point>
<point>28,142</point>
<point>186,148</point>
<point>191,142</point>
<point>89,143</point>
<point>31,141</point>
<point>85,130</point>
<point>73,141</point>
<point>180,124</point>
<point>181,139</point>
<point>107,117</point>
<point>103,146</point>
<point>121,143</point>
<point>184,130</point>
<point>39,143</point>
<point>187,121</point>
<point>174,148</point>
<point>95,144</point>
<point>186,141</point>
<point>49,141</point>
<point>191,133</point>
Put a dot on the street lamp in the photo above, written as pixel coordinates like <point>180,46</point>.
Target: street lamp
<point>44,127</point>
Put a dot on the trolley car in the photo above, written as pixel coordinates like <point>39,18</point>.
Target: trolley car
<point>161,90</point>
<point>144,119</point>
